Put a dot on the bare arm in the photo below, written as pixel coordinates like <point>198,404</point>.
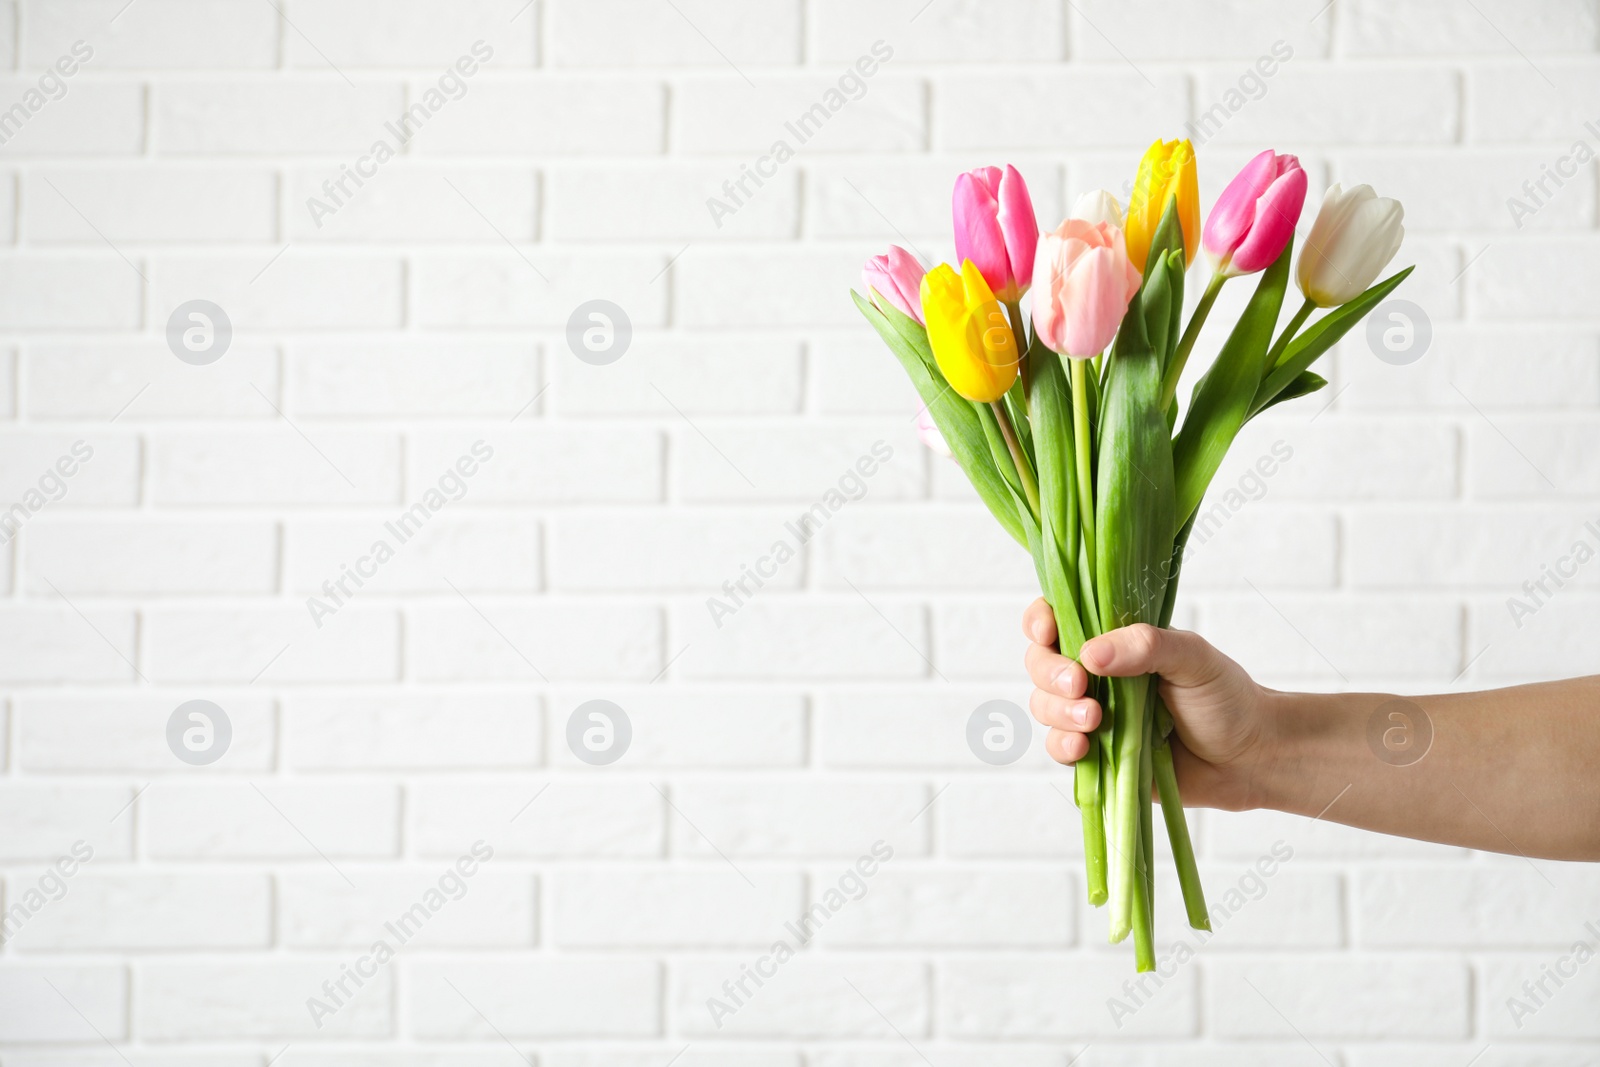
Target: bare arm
<point>1508,770</point>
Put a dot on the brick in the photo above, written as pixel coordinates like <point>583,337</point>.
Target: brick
<point>840,817</point>
<point>1427,27</point>
<point>165,34</point>
<point>487,554</point>
<point>861,728</point>
<point>811,113</point>
<point>414,730</point>
<point>64,1004</point>
<point>1107,32</point>
<point>124,734</point>
<point>717,288</point>
<point>274,644</point>
<point>549,998</point>
<point>854,373</point>
<point>536,818</point>
<point>1512,1009</point>
<point>1285,548</point>
<point>1515,458</point>
<point>81,293</point>
<point>664,203</point>
<point>1350,459</point>
<point>402,202</point>
<point>955,909</point>
<point>809,998</point>
<point>1018,997</point>
<point>697,551</point>
<point>703,374</point>
<point>362,33</point>
<point>490,639</point>
<point>1032,30</point>
<point>1021,817</point>
<point>491,908</point>
<point>1477,193</point>
<point>92,118</point>
<point>547,464</point>
<point>1383,637</point>
<point>1564,372</point>
<point>273,118</point>
<point>275,466</point>
<point>104,466</point>
<point>684,727</point>
<point>49,644</point>
<point>844,639</point>
<point>162,558</point>
<point>920,548</point>
<point>1448,909</point>
<point>614,33</point>
<point>126,912</point>
<point>410,378</point>
<point>1022,110</point>
<point>513,288</point>
<point>711,908</point>
<point>908,200</point>
<point>262,997</point>
<point>295,291</point>
<point>551,116</point>
<point>149,205</point>
<point>308,823</point>
<point>1509,100</point>
<point>1525,635</point>
<point>1464,549</point>
<point>137,381</point>
<point>1378,105</point>
<point>45,820</point>
<point>980,640</point>
<point>828,468</point>
<point>1366,998</point>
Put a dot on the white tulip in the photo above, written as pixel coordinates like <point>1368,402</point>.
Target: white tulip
<point>1355,236</point>
<point>1098,206</point>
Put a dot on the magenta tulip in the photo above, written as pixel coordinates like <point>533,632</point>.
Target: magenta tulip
<point>897,278</point>
<point>928,432</point>
<point>995,228</point>
<point>1086,282</point>
<point>1255,216</point>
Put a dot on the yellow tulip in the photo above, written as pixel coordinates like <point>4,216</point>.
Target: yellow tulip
<point>969,333</point>
<point>1167,170</point>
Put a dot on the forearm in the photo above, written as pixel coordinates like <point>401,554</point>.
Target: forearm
<point>1509,770</point>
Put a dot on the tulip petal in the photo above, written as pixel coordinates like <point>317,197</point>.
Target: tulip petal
<point>1276,213</point>
<point>1019,227</point>
<point>977,230</point>
<point>1235,210</point>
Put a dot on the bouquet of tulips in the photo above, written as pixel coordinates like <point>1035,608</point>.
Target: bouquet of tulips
<point>1071,435</point>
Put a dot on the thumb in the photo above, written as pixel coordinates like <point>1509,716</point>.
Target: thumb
<point>1181,657</point>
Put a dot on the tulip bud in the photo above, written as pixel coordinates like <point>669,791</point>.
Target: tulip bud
<point>1085,282</point>
<point>928,432</point>
<point>996,229</point>
<point>1166,171</point>
<point>1098,206</point>
<point>968,332</point>
<point>1255,216</point>
<point>1355,236</point>
<point>897,279</point>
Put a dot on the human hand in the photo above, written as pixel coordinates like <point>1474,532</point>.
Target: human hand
<point>1221,716</point>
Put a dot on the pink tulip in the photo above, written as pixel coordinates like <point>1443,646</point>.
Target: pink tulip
<point>928,432</point>
<point>1086,281</point>
<point>995,228</point>
<point>897,277</point>
<point>1255,216</point>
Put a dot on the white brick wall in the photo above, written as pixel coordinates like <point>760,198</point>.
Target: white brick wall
<point>430,310</point>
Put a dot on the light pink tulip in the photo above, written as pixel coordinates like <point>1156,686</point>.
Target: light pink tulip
<point>1255,216</point>
<point>996,229</point>
<point>1085,282</point>
<point>897,277</point>
<point>928,432</point>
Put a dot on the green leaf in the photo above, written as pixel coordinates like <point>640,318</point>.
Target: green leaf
<point>1050,405</point>
<point>953,414</point>
<point>1222,398</point>
<point>1321,336</point>
<point>1305,383</point>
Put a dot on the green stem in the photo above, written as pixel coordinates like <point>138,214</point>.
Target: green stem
<point>1130,695</point>
<point>1084,458</point>
<point>1194,897</point>
<point>1030,487</point>
<point>1287,335</point>
<point>1086,789</point>
<point>1169,381</point>
<point>1144,935</point>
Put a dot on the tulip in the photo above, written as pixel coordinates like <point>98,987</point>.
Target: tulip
<point>928,432</point>
<point>1166,171</point>
<point>1353,239</point>
<point>1085,283</point>
<point>897,279</point>
<point>968,332</point>
<point>1256,214</point>
<point>1098,206</point>
<point>996,230</point>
